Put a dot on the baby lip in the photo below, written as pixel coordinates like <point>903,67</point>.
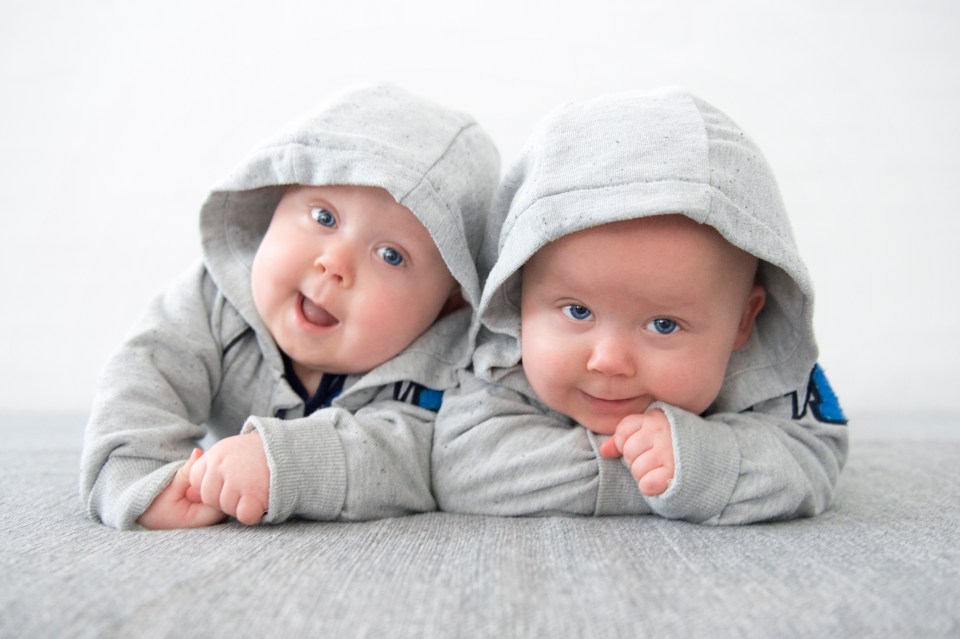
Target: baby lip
<point>317,315</point>
<point>608,400</point>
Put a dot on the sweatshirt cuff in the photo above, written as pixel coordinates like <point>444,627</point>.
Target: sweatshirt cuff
<point>707,464</point>
<point>617,493</point>
<point>125,488</point>
<point>308,473</point>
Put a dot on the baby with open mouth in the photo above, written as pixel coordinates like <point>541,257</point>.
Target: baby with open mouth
<point>311,349</point>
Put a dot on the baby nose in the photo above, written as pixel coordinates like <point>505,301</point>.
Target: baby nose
<point>337,264</point>
<point>612,355</point>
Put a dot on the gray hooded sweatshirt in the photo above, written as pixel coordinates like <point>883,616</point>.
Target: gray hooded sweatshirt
<point>773,443</point>
<point>200,364</point>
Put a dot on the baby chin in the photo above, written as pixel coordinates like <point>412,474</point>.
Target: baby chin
<point>601,415</point>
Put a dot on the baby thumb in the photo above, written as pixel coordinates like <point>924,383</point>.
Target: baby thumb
<point>609,449</point>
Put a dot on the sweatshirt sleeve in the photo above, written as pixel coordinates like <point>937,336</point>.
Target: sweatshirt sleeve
<point>495,453</point>
<point>152,394</point>
<point>760,465</point>
<point>334,465</point>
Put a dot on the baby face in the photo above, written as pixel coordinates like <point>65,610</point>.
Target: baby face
<point>621,315</point>
<point>346,278</point>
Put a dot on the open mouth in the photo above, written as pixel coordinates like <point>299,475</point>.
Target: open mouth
<point>316,315</point>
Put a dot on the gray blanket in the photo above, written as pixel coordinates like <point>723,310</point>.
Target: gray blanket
<point>883,562</point>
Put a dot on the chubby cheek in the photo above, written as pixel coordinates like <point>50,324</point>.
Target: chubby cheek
<point>693,387</point>
<point>260,286</point>
<point>272,280</point>
<point>548,368</point>
<point>378,331</point>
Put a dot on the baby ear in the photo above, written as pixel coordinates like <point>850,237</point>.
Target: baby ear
<point>752,308</point>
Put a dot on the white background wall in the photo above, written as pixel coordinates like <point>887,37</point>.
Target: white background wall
<point>116,117</point>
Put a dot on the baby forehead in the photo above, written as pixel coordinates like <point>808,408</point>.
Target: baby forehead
<point>374,203</point>
<point>672,249</point>
<point>671,224</point>
<point>665,234</point>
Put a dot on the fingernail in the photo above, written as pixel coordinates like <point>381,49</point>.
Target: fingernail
<point>195,455</point>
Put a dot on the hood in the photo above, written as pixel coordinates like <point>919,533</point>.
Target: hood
<point>435,161</point>
<point>632,155</point>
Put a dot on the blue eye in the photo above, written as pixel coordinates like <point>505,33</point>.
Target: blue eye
<point>663,326</point>
<point>577,312</point>
<point>323,217</point>
<point>390,255</point>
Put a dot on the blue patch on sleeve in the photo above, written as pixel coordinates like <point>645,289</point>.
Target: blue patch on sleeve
<point>418,395</point>
<point>430,399</point>
<point>823,401</point>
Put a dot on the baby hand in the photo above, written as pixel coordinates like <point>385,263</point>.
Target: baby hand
<point>646,445</point>
<point>175,507</point>
<point>234,477</point>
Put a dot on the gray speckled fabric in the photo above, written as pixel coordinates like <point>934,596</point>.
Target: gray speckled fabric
<point>882,562</point>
